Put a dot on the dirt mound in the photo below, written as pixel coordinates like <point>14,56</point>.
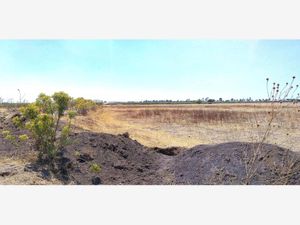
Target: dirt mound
<point>237,163</point>
<point>98,158</point>
<point>121,159</point>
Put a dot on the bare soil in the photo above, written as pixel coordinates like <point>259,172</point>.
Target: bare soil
<point>126,161</point>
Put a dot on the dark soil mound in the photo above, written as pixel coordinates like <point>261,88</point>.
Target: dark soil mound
<point>237,163</point>
<point>125,161</point>
<point>122,160</point>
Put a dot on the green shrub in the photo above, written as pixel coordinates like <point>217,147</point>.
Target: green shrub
<point>17,121</point>
<point>5,133</point>
<point>95,168</point>
<point>42,119</point>
<point>82,106</point>
<point>23,137</point>
<point>8,136</point>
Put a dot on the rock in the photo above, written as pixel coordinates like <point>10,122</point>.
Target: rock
<point>96,181</point>
<point>124,154</point>
<point>147,166</point>
<point>91,139</point>
<point>140,170</point>
<point>45,174</point>
<point>94,145</point>
<point>112,147</point>
<point>9,170</point>
<point>12,115</point>
<point>84,157</point>
<point>30,168</point>
<point>120,166</point>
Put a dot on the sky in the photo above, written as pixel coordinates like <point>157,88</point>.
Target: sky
<point>134,70</point>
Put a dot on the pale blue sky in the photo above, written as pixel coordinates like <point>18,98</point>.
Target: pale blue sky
<point>146,69</point>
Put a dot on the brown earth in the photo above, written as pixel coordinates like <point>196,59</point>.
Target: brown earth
<point>125,161</point>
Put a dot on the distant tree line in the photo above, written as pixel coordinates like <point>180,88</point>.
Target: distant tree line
<point>206,100</point>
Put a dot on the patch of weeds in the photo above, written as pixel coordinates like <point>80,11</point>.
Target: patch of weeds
<point>95,168</point>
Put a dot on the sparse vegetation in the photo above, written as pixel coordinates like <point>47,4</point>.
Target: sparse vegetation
<point>82,106</point>
<point>277,96</point>
<point>95,168</point>
<point>49,120</point>
<point>43,119</point>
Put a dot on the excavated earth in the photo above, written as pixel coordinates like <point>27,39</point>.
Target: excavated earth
<point>125,161</point>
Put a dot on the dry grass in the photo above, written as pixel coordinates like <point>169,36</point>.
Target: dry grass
<point>22,177</point>
<point>190,125</point>
<point>2,110</point>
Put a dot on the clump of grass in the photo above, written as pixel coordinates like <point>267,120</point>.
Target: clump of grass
<point>9,136</point>
<point>77,154</point>
<point>23,137</point>
<point>95,168</point>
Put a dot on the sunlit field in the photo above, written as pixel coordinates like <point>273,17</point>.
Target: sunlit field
<point>190,125</point>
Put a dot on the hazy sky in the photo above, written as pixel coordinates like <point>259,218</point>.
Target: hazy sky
<point>139,70</point>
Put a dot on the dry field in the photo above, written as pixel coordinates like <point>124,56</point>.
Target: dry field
<point>190,125</point>
<point>124,161</point>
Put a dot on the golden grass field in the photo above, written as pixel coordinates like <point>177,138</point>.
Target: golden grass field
<point>190,125</point>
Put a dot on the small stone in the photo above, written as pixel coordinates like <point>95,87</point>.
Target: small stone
<point>30,168</point>
<point>8,171</point>
<point>94,145</point>
<point>12,115</point>
<point>140,170</point>
<point>96,181</point>
<point>120,166</point>
<point>147,166</point>
<point>227,160</point>
<point>85,157</point>
<point>124,154</point>
<point>91,139</point>
<point>45,174</point>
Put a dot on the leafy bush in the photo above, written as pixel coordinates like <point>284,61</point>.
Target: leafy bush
<point>82,106</point>
<point>42,119</point>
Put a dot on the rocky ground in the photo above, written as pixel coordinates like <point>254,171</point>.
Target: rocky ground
<point>125,161</point>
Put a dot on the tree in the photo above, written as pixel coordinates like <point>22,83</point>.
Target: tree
<point>210,101</point>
